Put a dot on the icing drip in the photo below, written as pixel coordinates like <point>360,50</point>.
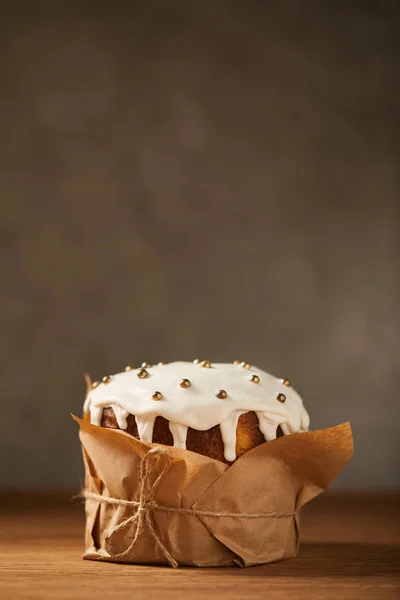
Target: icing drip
<point>96,413</point>
<point>304,420</point>
<point>179,433</point>
<point>198,405</point>
<point>121,416</point>
<point>228,434</point>
<point>145,428</point>
<point>285,429</point>
<point>268,425</point>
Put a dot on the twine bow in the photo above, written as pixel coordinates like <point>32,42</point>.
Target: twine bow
<point>146,505</point>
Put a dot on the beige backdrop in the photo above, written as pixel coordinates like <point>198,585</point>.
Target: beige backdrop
<point>212,179</point>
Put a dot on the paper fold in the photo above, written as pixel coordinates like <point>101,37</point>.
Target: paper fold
<point>202,512</point>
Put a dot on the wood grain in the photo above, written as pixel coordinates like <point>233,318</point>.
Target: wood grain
<point>349,550</point>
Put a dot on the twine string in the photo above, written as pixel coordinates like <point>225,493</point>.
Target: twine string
<point>146,506</point>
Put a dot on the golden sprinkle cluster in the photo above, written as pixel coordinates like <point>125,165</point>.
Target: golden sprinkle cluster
<point>157,396</point>
<point>281,398</point>
<point>185,383</point>
<point>286,382</point>
<point>160,364</point>
<point>245,365</point>
<point>106,379</point>
<point>237,362</point>
<point>145,365</point>
<point>142,373</point>
<point>196,361</point>
<point>221,394</point>
<point>254,378</point>
<point>128,368</point>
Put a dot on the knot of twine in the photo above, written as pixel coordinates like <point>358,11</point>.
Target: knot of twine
<point>146,506</point>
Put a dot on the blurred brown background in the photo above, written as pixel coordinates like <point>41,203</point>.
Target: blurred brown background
<point>210,178</point>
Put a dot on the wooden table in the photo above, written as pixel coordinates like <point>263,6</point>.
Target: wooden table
<point>348,550</point>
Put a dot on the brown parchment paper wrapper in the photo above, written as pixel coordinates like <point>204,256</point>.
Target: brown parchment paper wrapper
<point>154,504</point>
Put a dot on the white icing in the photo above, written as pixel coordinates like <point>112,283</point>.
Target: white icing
<point>179,433</point>
<point>95,414</point>
<point>304,420</point>
<point>268,425</point>
<point>198,406</point>
<point>228,434</point>
<point>121,416</point>
<point>145,427</point>
<point>285,429</point>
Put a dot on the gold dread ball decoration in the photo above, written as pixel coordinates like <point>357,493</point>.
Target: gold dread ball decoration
<point>142,374</point>
<point>286,382</point>
<point>254,378</point>
<point>245,365</point>
<point>157,396</point>
<point>145,365</point>
<point>221,394</point>
<point>206,364</point>
<point>106,379</point>
<point>185,383</point>
<point>128,368</point>
<point>281,397</point>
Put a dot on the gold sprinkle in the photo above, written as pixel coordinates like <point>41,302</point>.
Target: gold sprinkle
<point>185,383</point>
<point>286,382</point>
<point>145,365</point>
<point>106,379</point>
<point>254,378</point>
<point>128,368</point>
<point>237,362</point>
<point>142,374</point>
<point>196,361</point>
<point>157,396</point>
<point>221,394</point>
<point>281,397</point>
<point>95,384</point>
<point>160,364</point>
<point>245,365</point>
<point>206,364</point>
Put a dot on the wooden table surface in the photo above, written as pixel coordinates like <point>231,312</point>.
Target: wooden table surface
<point>349,549</point>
